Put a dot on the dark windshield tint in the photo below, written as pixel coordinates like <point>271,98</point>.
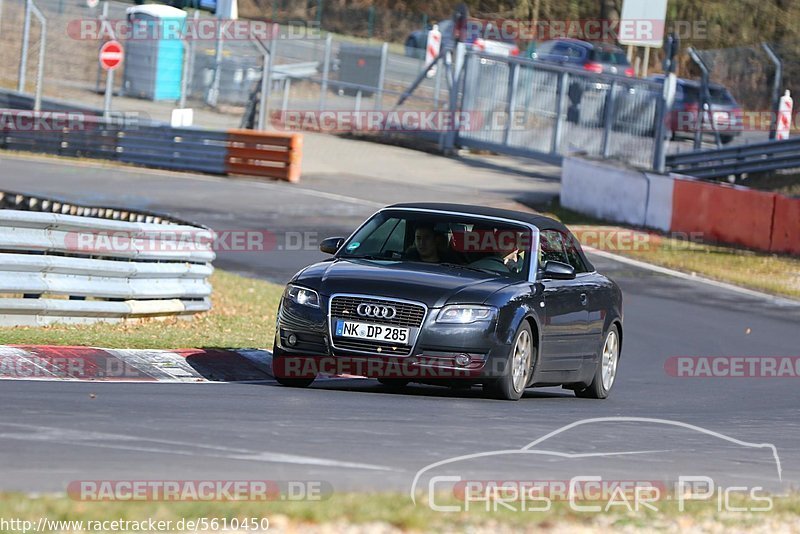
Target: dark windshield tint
<point>611,57</point>
<point>473,243</point>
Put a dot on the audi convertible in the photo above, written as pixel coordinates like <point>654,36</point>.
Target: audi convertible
<point>453,295</point>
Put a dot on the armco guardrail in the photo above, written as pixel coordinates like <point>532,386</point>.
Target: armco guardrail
<point>66,263</point>
<point>735,160</point>
<point>264,154</point>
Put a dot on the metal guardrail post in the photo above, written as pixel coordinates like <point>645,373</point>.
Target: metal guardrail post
<point>382,76</point>
<point>326,69</point>
<point>511,100</point>
<point>776,89</point>
<point>26,37</point>
<point>558,128</point>
<point>608,120</point>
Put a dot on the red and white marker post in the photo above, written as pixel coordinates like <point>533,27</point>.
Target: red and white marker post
<point>111,55</point>
<point>432,49</point>
<point>784,117</point>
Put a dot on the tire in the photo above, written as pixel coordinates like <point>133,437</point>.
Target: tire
<point>279,358</point>
<point>394,382</point>
<point>518,368</point>
<point>726,139</point>
<point>607,366</point>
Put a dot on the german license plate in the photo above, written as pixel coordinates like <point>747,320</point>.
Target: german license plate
<point>372,332</point>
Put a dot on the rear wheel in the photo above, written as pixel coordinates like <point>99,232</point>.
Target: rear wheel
<point>518,368</point>
<point>606,372</point>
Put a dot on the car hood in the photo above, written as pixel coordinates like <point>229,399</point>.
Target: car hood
<point>435,285</point>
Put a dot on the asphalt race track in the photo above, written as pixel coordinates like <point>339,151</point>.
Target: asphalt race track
<point>356,434</point>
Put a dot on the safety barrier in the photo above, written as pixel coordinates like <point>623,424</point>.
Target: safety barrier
<point>274,155</point>
<point>75,134</point>
<point>66,263</point>
<point>718,212</point>
<point>786,226</point>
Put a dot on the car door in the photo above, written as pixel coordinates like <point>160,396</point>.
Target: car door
<point>565,329</point>
<point>594,297</point>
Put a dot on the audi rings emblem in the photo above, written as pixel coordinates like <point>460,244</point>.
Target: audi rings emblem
<point>376,311</point>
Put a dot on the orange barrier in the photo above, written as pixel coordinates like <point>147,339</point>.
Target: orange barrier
<point>723,213</point>
<point>268,154</point>
<point>786,226</point>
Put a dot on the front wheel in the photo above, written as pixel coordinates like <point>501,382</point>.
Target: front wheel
<point>517,369</point>
<point>288,370</point>
<point>606,373</point>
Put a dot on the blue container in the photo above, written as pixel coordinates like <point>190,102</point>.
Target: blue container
<point>154,52</point>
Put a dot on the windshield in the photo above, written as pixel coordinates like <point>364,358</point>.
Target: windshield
<point>477,244</point>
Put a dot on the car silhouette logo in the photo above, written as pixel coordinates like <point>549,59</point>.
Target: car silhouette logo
<point>376,311</point>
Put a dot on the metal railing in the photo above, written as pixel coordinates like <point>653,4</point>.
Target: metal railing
<point>548,111</point>
<point>60,262</point>
<point>737,160</point>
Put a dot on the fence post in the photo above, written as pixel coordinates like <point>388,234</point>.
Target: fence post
<point>266,77</point>
<point>776,89</point>
<point>558,128</point>
<point>326,67</point>
<point>382,76</point>
<point>26,37</point>
<point>608,119</point>
<point>511,101</point>
<point>37,102</point>
<point>663,107</point>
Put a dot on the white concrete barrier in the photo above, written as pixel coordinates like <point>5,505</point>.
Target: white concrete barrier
<point>659,202</point>
<point>604,191</point>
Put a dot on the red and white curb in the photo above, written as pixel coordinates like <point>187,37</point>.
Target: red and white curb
<point>89,363</point>
<point>25,362</point>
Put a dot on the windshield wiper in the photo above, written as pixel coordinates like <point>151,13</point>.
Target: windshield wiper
<point>476,269</point>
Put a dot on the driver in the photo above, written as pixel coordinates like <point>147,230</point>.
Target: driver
<point>430,246</point>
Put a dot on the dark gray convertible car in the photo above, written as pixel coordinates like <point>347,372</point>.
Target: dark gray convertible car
<point>457,296</point>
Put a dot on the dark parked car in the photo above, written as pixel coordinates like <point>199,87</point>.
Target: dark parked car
<point>599,58</point>
<point>725,112</point>
<point>453,295</point>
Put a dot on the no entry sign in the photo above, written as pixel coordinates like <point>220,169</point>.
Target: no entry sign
<point>111,55</point>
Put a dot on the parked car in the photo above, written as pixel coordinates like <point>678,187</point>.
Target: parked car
<point>599,58</point>
<point>453,295</point>
<point>725,112</point>
<point>481,36</point>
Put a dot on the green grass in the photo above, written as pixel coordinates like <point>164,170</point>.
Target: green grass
<point>770,273</point>
<point>397,510</point>
<point>242,315</point>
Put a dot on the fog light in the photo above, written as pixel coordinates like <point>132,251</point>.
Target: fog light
<point>291,340</point>
<point>462,360</point>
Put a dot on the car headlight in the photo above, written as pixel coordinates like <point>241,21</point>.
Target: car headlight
<point>465,314</point>
<point>302,296</point>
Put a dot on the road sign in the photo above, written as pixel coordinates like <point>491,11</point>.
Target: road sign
<point>642,23</point>
<point>92,3</point>
<point>111,55</point>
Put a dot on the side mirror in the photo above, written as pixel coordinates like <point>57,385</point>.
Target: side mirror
<point>555,270</point>
<point>331,245</point>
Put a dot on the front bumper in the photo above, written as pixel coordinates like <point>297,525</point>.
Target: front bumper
<point>440,352</point>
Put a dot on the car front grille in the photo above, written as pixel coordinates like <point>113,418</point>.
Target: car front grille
<point>408,315</point>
